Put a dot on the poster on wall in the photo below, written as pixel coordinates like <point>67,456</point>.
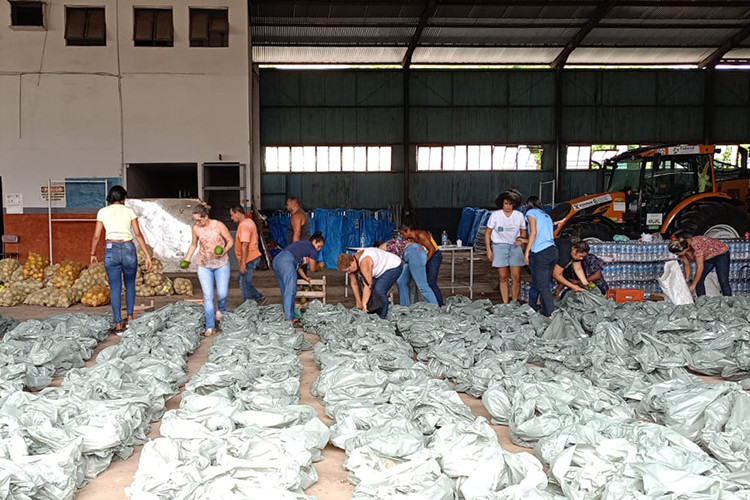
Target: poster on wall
<point>13,203</point>
<point>53,194</point>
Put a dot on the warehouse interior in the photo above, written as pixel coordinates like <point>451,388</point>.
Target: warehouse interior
<point>628,119</point>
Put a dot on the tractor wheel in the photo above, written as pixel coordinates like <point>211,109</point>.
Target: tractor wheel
<point>590,231</point>
<point>714,218</point>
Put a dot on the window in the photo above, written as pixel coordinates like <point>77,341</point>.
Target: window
<point>462,158</point>
<point>594,156</point>
<point>85,26</point>
<point>328,158</point>
<point>27,13</point>
<point>152,28</point>
<point>209,28</point>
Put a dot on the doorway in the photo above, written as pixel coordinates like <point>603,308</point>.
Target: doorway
<point>223,187</point>
<point>162,180</point>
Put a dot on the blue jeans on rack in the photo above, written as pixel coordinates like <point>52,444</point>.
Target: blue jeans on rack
<point>541,265</point>
<point>285,269</point>
<point>433,270</point>
<point>249,292</point>
<point>121,260</point>
<point>415,260</point>
<point>383,283</point>
<point>207,276</point>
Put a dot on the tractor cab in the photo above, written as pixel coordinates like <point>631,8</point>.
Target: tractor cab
<point>656,180</point>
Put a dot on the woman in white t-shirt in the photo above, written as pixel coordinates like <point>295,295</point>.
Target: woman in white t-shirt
<point>378,271</point>
<point>119,224</point>
<point>504,227</point>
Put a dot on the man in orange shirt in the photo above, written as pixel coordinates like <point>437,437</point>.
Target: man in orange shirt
<point>248,255</point>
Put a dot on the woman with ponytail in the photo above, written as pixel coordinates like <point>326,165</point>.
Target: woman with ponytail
<point>119,224</point>
<point>213,240</point>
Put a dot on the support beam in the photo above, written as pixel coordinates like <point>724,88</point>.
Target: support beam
<point>574,42</point>
<point>715,56</point>
<point>427,11</point>
<point>708,105</point>
<point>406,110</point>
<point>559,139</point>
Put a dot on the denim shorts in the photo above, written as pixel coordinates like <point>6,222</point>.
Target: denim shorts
<point>504,255</point>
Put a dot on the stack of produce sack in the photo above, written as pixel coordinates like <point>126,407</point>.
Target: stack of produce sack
<point>36,282</point>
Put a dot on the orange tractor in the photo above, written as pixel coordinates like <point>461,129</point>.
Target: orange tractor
<point>673,189</point>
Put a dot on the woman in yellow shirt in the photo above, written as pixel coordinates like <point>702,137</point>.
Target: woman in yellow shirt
<point>120,260</point>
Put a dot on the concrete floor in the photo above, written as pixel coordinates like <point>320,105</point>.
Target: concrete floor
<point>333,484</point>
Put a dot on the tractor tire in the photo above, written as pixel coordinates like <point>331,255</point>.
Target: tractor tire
<point>590,231</point>
<point>713,218</point>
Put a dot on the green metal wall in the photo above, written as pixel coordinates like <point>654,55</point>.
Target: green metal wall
<point>478,107</point>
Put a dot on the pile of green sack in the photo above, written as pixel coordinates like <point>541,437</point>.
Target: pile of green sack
<point>239,432</point>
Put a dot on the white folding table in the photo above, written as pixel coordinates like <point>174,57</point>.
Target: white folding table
<point>453,249</point>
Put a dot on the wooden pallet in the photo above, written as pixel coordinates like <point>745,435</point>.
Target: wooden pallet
<point>312,294</point>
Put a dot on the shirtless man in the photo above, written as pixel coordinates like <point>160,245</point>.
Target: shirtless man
<point>434,256</point>
<point>299,226</point>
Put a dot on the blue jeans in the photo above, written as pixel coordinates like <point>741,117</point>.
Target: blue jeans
<point>207,276</point>
<point>721,263</point>
<point>541,265</point>
<point>415,259</point>
<point>383,283</point>
<point>120,260</point>
<point>249,292</point>
<point>285,269</point>
<point>433,270</point>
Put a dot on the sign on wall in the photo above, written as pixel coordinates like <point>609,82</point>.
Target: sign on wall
<point>54,194</point>
<point>13,203</point>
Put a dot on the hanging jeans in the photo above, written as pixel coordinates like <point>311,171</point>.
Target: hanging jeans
<point>541,265</point>
<point>121,261</point>
<point>415,260</point>
<point>285,269</point>
<point>383,283</point>
<point>207,276</point>
<point>721,264</point>
<point>433,270</point>
<point>249,292</point>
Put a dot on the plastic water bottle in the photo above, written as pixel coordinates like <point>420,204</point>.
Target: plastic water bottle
<point>362,240</point>
<point>444,239</point>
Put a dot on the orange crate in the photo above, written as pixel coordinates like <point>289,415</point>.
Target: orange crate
<point>625,294</point>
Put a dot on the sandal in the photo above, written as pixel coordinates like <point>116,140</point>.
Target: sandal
<point>210,332</point>
<point>118,328</point>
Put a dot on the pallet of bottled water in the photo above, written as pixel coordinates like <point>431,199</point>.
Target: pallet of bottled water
<point>639,264</point>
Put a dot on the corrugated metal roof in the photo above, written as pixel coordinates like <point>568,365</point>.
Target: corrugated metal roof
<point>504,31</point>
<point>650,37</point>
<point>327,55</point>
<point>327,35</point>
<point>505,36</point>
<point>637,56</point>
<point>484,55</point>
<point>738,54</point>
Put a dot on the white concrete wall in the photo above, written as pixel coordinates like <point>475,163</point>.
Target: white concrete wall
<point>63,114</point>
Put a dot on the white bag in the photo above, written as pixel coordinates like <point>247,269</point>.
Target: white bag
<point>713,288</point>
<point>673,284</point>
